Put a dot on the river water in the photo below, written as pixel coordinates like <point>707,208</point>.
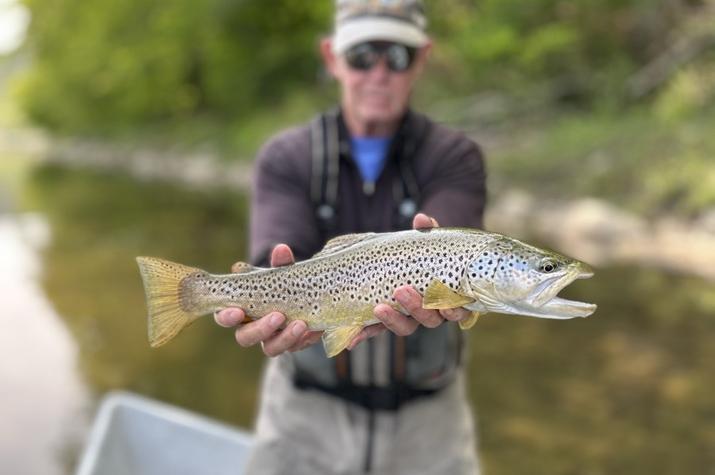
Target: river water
<point>629,390</point>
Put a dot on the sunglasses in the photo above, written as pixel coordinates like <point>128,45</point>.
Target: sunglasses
<point>364,56</point>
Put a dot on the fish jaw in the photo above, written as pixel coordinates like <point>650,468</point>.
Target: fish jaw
<point>548,305</point>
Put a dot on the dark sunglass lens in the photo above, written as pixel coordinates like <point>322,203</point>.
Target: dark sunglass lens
<point>400,57</point>
<point>362,57</point>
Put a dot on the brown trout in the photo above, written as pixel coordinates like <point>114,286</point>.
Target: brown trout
<point>337,289</point>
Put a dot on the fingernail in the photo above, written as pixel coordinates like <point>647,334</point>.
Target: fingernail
<point>402,295</point>
<point>233,315</point>
<point>275,319</point>
<point>297,329</point>
<point>220,319</point>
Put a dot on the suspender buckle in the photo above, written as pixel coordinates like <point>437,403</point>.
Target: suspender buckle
<point>325,211</point>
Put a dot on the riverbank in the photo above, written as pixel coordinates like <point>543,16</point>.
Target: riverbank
<point>196,168</point>
<point>592,229</point>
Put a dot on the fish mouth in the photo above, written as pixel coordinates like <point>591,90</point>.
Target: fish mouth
<point>546,303</point>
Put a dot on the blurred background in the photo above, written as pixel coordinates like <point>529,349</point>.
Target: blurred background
<point>128,127</point>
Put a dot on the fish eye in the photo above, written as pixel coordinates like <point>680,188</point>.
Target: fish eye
<point>547,267</point>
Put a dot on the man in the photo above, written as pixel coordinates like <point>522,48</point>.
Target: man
<point>396,403</point>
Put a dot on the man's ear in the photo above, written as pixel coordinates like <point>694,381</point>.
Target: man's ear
<point>329,57</point>
<point>427,49</point>
<point>424,54</point>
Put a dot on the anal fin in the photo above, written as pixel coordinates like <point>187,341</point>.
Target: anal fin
<point>470,321</point>
<point>337,339</point>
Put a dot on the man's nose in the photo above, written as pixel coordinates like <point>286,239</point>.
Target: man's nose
<point>380,71</point>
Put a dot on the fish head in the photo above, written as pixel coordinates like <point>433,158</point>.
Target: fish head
<point>512,277</point>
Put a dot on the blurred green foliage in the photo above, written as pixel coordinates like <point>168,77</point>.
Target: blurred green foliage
<point>639,161</point>
<point>119,63</point>
<point>512,43</point>
<point>690,91</point>
<point>130,63</point>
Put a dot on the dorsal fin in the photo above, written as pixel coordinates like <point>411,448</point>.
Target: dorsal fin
<point>343,242</point>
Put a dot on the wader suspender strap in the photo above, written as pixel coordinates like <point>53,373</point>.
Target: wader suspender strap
<point>326,163</point>
<point>406,191</point>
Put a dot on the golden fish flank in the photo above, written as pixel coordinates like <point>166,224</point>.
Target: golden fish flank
<point>337,289</point>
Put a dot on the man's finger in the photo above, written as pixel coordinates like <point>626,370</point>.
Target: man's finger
<point>455,314</point>
<point>309,338</point>
<point>411,301</point>
<point>367,332</point>
<point>229,317</point>
<point>260,330</point>
<point>281,256</point>
<point>422,221</point>
<point>285,340</point>
<point>398,323</point>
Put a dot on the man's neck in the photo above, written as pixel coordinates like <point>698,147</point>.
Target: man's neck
<point>360,128</point>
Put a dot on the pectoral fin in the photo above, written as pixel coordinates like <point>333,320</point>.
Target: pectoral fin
<point>469,322</point>
<point>337,339</point>
<point>438,295</point>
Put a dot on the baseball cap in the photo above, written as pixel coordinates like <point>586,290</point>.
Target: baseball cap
<point>358,21</point>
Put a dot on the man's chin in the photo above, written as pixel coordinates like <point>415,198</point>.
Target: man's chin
<point>381,115</point>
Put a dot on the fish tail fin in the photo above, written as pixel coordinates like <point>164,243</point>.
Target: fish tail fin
<point>164,295</point>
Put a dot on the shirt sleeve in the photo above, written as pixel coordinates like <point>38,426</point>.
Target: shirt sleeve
<point>281,209</point>
<point>456,192</point>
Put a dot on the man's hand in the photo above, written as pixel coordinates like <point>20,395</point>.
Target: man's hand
<point>411,300</point>
<point>267,330</point>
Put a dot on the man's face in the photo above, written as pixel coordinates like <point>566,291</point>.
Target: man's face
<point>375,94</point>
